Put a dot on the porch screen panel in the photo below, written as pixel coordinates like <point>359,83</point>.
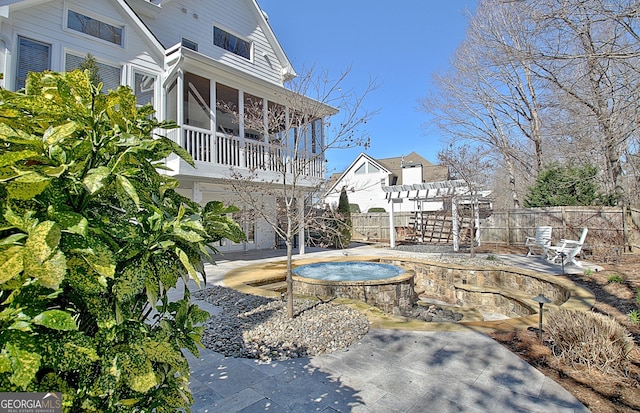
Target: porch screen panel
<point>253,117</point>
<point>33,56</point>
<point>226,109</point>
<point>196,101</point>
<point>316,132</point>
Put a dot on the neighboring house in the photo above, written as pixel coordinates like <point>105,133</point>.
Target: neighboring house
<point>365,177</point>
<point>188,59</point>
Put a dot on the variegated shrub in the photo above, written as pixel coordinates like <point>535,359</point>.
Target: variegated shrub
<point>91,239</point>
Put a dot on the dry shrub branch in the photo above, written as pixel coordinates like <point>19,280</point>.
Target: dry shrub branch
<point>590,339</point>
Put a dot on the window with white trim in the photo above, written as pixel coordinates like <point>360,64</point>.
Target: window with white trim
<point>144,87</point>
<point>33,56</point>
<point>94,27</point>
<point>232,43</point>
<point>109,75</point>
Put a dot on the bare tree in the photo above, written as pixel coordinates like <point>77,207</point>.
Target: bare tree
<point>547,80</point>
<point>587,52</point>
<point>316,113</point>
<point>490,95</point>
<point>470,164</point>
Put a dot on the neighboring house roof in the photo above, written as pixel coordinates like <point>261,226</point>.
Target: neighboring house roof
<point>430,172</point>
<point>337,177</point>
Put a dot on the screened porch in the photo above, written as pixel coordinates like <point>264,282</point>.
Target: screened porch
<point>242,130</point>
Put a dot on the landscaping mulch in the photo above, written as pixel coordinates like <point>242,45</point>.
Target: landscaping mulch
<point>599,392</point>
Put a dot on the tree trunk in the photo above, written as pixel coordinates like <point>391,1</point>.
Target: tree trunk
<point>512,183</point>
<point>289,276</point>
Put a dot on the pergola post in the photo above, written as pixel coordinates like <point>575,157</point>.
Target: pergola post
<point>392,227</point>
<point>454,224</point>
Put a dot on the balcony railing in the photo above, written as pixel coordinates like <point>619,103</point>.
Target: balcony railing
<point>233,151</point>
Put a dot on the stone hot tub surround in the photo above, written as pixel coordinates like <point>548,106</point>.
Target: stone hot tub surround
<point>502,290</point>
<point>392,295</point>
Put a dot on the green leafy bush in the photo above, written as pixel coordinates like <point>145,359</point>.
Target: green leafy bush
<point>91,239</point>
<point>560,185</point>
<point>590,339</point>
<point>376,209</point>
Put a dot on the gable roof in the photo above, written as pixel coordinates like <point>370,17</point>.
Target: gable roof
<point>430,172</point>
<point>288,72</point>
<point>337,177</point>
<point>393,166</point>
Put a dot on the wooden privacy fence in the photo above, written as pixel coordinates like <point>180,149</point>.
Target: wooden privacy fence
<point>431,227</point>
<point>374,226</point>
<point>612,230</point>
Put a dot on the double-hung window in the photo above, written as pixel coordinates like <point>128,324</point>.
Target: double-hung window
<point>33,56</point>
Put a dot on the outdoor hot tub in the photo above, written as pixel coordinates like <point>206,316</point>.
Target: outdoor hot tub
<point>386,286</point>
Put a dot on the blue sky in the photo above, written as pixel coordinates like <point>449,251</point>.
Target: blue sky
<point>400,44</point>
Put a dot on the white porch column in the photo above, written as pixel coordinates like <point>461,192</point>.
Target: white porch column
<point>180,104</point>
<point>301,240</point>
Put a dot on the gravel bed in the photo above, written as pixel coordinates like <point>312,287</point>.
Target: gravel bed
<point>445,253</point>
<point>256,327</point>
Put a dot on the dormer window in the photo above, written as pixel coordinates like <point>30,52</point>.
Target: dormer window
<point>94,27</point>
<point>232,43</point>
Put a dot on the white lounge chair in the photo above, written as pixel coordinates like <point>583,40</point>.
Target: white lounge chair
<point>567,250</point>
<point>538,244</point>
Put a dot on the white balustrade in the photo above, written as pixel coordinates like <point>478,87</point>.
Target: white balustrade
<point>224,149</point>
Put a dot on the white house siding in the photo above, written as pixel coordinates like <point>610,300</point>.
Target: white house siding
<point>236,17</point>
<point>45,23</point>
<point>364,190</point>
<point>264,237</point>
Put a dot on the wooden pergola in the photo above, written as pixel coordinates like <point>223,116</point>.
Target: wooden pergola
<point>455,190</point>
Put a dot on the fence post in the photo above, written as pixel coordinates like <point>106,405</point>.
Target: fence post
<point>508,237</point>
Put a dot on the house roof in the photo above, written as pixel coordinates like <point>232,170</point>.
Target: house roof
<point>337,177</point>
<point>288,72</point>
<point>393,166</point>
<point>430,172</point>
